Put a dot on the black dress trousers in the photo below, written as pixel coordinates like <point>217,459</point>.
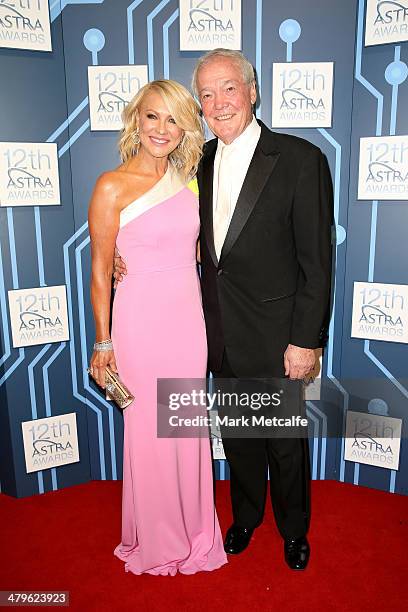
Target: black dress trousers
<point>289,473</point>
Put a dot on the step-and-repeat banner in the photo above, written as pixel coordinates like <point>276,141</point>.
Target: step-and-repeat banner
<point>334,73</point>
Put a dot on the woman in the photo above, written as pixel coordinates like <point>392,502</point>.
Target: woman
<point>169,522</point>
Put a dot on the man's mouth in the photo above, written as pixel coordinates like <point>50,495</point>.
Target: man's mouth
<point>224,117</point>
<point>159,141</point>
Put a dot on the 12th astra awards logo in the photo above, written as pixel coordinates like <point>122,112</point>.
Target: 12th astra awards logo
<point>383,168</point>
<point>29,174</point>
<point>50,442</point>
<point>386,21</point>
<point>373,439</point>
<point>38,315</point>
<point>25,24</point>
<point>380,312</point>
<point>302,94</point>
<point>110,89</point>
<point>207,24</point>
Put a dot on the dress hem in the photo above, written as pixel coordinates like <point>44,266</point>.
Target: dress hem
<point>173,568</point>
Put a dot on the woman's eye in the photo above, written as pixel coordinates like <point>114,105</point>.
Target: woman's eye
<point>151,116</point>
<point>172,120</point>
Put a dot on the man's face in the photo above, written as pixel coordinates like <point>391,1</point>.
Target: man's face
<point>225,98</point>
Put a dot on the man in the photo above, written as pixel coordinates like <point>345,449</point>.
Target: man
<point>266,215</point>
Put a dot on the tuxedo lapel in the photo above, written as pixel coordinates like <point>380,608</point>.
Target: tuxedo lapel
<point>261,167</point>
<point>206,199</point>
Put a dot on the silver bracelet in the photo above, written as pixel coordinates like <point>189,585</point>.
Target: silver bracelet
<point>105,345</point>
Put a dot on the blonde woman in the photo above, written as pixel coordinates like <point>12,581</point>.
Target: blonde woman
<point>169,522</point>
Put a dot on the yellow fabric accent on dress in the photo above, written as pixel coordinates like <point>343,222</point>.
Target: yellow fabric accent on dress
<point>193,185</point>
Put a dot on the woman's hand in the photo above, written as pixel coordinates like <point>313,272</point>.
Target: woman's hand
<point>99,361</point>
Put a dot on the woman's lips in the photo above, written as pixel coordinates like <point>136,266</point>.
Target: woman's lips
<point>159,141</point>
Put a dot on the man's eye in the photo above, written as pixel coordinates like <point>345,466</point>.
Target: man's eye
<point>205,96</point>
<point>230,89</point>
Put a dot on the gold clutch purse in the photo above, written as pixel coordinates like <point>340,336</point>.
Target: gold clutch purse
<point>116,390</point>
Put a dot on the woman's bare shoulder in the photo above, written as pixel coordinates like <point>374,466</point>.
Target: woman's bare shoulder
<point>122,185</point>
<point>110,180</point>
<point>112,185</point>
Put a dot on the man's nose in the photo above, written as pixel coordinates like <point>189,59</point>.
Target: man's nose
<point>219,100</point>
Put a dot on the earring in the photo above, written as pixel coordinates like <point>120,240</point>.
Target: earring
<point>136,138</point>
<point>136,142</point>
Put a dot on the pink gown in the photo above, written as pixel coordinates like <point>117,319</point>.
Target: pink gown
<point>169,522</point>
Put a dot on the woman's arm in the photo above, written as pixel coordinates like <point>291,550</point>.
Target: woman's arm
<point>103,220</point>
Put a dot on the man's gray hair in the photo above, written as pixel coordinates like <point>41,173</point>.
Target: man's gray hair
<point>239,58</point>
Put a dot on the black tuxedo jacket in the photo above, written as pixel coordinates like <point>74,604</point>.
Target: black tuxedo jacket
<point>271,286</point>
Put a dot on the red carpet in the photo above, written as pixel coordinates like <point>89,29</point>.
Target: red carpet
<point>64,540</point>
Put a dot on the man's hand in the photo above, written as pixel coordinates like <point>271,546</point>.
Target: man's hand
<point>298,361</point>
<point>119,268</point>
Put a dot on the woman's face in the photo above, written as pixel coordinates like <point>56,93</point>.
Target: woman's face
<point>158,132</point>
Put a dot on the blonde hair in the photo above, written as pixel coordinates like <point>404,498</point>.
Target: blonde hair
<point>246,68</point>
<point>185,112</point>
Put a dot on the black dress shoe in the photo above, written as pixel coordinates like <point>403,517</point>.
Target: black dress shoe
<point>297,552</point>
<point>237,539</point>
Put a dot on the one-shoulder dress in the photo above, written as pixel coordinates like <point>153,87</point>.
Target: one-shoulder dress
<point>169,522</point>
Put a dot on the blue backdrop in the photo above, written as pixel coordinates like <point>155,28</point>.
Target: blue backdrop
<point>44,97</point>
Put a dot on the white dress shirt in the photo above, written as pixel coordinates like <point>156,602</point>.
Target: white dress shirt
<point>236,159</point>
